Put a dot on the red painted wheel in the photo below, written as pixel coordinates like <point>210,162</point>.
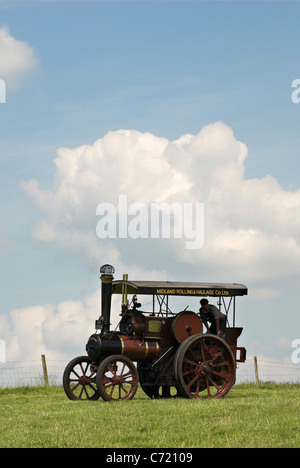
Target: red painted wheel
<point>79,380</point>
<point>117,378</point>
<point>204,366</point>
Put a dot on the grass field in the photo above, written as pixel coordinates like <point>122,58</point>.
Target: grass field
<point>250,416</point>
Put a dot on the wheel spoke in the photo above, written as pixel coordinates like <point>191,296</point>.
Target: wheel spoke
<point>128,374</point>
<point>92,387</point>
<point>218,374</point>
<point>208,388</point>
<point>216,356</point>
<point>214,383</point>
<point>121,373</point>
<point>193,363</point>
<point>202,350</point>
<point>197,389</point>
<point>192,381</point>
<point>77,375</point>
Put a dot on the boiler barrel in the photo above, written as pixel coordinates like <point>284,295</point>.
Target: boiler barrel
<point>137,350</point>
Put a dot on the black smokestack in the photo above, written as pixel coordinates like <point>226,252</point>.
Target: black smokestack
<point>106,292</point>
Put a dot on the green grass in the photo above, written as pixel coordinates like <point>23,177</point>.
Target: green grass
<point>250,416</point>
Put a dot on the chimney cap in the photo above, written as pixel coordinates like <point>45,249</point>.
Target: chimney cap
<point>107,270</point>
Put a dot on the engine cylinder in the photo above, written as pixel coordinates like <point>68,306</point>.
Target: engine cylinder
<point>133,324</point>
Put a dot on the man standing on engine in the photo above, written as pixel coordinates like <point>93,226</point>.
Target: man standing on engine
<point>210,313</point>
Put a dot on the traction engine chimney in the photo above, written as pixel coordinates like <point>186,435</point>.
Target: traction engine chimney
<point>106,277</point>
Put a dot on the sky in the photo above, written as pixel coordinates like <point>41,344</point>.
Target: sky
<point>159,101</point>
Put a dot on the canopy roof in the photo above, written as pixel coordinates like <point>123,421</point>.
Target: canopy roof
<point>173,288</point>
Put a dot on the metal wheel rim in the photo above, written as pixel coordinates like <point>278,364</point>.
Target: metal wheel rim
<point>204,367</point>
<point>79,380</point>
<point>117,378</point>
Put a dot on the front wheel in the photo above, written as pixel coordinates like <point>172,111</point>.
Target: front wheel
<point>117,378</point>
<point>79,380</point>
<point>204,365</point>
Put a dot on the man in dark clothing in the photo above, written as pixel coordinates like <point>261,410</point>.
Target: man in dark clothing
<point>210,313</point>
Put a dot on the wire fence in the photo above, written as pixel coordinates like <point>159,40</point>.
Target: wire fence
<point>32,373</point>
<point>258,370</point>
<point>42,372</point>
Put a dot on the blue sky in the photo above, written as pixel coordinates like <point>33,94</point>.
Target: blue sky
<point>169,69</point>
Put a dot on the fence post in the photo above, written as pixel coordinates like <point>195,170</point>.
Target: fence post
<point>46,380</point>
<point>256,370</point>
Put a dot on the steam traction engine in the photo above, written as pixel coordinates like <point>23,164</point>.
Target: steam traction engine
<point>172,354</point>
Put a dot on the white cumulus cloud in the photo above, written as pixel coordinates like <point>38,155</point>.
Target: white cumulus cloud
<point>17,59</point>
<point>251,225</point>
<point>60,331</point>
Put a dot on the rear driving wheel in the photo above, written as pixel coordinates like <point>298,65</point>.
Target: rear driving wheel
<point>204,366</point>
